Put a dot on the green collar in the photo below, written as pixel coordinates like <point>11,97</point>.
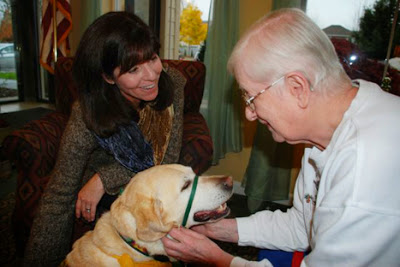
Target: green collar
<point>135,246</point>
<point>144,251</point>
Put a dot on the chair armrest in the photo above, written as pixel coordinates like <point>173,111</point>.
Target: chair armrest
<point>35,145</point>
<point>194,73</point>
<point>33,150</point>
<point>197,146</point>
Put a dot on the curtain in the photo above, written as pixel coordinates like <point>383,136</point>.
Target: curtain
<point>268,173</point>
<point>220,105</point>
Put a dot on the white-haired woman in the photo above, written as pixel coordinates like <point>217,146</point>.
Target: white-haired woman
<point>346,207</point>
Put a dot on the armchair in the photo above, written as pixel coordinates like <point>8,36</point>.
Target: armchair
<point>33,148</point>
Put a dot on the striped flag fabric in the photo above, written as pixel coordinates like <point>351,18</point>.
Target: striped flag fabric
<point>64,26</point>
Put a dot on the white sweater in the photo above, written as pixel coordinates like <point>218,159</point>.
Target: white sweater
<point>346,206</point>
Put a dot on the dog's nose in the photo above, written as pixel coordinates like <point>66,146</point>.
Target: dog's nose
<point>228,183</point>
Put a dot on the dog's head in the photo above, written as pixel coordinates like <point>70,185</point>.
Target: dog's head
<point>156,200</point>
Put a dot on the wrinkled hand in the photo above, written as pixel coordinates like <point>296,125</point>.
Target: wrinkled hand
<point>223,230</point>
<point>88,198</point>
<point>190,246</point>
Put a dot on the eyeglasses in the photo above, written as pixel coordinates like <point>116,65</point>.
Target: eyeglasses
<point>249,99</point>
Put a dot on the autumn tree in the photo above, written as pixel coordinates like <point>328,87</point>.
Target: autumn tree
<point>193,31</point>
<point>6,34</point>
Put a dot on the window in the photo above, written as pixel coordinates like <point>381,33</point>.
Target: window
<point>8,66</point>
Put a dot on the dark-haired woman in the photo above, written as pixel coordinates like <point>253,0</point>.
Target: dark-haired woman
<point>128,118</point>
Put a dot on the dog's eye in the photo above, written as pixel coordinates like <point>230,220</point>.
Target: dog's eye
<point>186,185</point>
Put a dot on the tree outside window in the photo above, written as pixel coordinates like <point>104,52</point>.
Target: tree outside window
<point>193,30</point>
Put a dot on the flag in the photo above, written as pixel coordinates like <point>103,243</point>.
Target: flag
<point>64,26</point>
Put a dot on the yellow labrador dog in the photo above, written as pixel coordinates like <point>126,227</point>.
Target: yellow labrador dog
<point>155,200</point>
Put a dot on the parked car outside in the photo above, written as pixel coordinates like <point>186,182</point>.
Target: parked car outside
<point>7,57</point>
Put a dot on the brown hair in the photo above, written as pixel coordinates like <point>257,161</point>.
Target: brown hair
<point>115,39</point>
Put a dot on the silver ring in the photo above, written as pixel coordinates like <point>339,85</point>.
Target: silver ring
<point>88,210</point>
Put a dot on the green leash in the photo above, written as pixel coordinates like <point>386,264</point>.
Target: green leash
<point>189,205</point>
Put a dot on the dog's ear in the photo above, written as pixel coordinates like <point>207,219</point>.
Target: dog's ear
<point>122,217</point>
<point>150,221</point>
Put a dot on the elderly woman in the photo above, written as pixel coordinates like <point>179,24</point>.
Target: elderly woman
<point>128,118</point>
<point>346,209</point>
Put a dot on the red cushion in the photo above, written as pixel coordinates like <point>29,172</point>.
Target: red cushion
<point>197,146</point>
<point>65,90</point>
<point>195,73</point>
<point>33,149</point>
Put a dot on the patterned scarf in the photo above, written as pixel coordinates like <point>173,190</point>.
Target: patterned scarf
<point>139,146</point>
<point>129,147</point>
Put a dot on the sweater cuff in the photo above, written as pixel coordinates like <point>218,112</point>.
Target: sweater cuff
<point>111,183</point>
<point>239,262</point>
<point>245,227</point>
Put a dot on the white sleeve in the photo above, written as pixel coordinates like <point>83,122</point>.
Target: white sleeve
<point>276,230</point>
<point>239,262</point>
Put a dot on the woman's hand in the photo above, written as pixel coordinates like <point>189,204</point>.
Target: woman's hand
<point>88,198</point>
<point>189,246</point>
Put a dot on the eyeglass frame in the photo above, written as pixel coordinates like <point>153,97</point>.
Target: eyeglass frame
<point>249,99</point>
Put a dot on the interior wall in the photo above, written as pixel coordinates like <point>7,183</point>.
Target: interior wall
<point>78,17</point>
<point>235,164</point>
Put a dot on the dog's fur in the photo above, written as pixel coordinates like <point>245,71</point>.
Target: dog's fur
<point>152,203</point>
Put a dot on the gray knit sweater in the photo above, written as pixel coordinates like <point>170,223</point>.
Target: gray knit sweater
<point>79,158</point>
